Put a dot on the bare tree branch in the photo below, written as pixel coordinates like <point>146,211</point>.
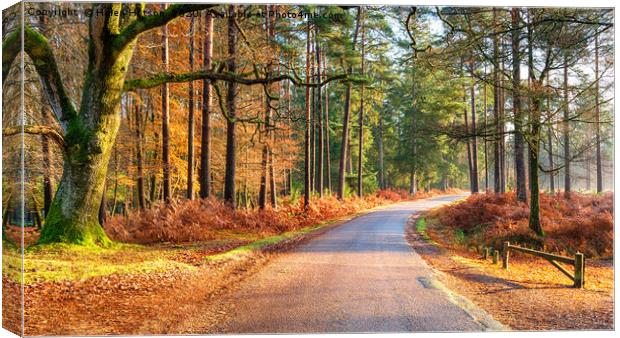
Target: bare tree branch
<point>146,23</point>
<point>161,78</point>
<point>51,132</point>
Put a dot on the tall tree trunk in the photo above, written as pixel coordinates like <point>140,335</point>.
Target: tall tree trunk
<point>360,156</point>
<point>263,132</point>
<point>380,152</point>
<point>486,154</point>
<point>519,142</point>
<point>231,107</point>
<point>597,119</point>
<point>272,132</point>
<point>190,118</point>
<point>205,141</point>
<point>468,146</point>
<point>474,143</point>
<point>349,156</point>
<point>262,191</point>
<point>153,185</point>
<point>345,124</point>
<point>496,99</point>
<point>165,123</point>
<point>313,114</point>
<point>321,144</point>
<point>139,150</point>
<point>534,144</point>
<point>73,215</point>
<point>550,141</point>
<point>307,172</point>
<point>413,183</point>
<point>567,173</point>
<point>328,169</point>
<point>502,128</point>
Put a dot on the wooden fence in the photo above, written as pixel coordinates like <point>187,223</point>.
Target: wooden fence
<point>578,262</point>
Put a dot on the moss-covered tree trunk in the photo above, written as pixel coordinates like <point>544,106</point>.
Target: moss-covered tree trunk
<point>87,135</point>
<point>89,138</point>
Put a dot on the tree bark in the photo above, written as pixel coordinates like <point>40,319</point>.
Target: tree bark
<point>474,143</point>
<point>321,143</point>
<point>328,169</point>
<point>550,141</point>
<point>486,153</point>
<point>380,152</point>
<point>566,127</point>
<point>360,156</point>
<point>413,183</point>
<point>231,107</point>
<point>73,215</point>
<point>272,174</point>
<point>262,191</point>
<point>345,125</point>
<point>165,124</point>
<point>103,212</point>
<point>48,182</point>
<point>597,119</point>
<point>139,160</point>
<point>519,142</point>
<point>205,140</point>
<point>496,99</point>
<point>307,173</point>
<point>502,129</point>
<point>470,168</point>
<point>534,144</point>
<point>190,119</point>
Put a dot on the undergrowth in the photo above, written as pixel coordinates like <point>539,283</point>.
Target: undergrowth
<point>582,223</point>
<point>183,221</point>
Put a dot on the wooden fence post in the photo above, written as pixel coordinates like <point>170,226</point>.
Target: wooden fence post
<point>485,253</point>
<point>505,254</point>
<point>580,265</point>
<point>495,256</point>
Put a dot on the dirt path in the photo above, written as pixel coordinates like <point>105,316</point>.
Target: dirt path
<point>359,277</point>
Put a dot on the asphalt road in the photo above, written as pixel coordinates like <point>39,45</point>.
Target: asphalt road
<point>361,276</point>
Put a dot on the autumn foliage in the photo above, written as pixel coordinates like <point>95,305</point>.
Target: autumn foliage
<point>582,223</point>
<point>204,219</point>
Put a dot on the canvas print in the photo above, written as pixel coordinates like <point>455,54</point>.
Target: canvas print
<point>195,168</point>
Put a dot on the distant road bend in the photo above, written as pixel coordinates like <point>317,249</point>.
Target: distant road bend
<point>361,276</point>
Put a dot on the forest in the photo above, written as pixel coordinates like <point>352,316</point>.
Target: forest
<point>251,107</point>
<point>180,123</point>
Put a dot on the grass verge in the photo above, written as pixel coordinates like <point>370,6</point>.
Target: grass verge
<point>63,262</point>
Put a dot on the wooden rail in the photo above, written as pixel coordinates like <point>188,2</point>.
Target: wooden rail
<point>578,262</point>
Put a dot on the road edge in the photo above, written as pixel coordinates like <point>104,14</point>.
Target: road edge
<point>477,313</point>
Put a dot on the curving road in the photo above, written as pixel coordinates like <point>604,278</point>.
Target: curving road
<point>361,276</point>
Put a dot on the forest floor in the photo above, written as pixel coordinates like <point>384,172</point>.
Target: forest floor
<point>530,295</point>
<point>134,289</point>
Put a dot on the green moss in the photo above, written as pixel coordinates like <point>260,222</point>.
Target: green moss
<point>421,228</point>
<point>77,138</point>
<point>459,236</point>
<point>262,243</point>
<point>57,229</point>
<point>421,225</point>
